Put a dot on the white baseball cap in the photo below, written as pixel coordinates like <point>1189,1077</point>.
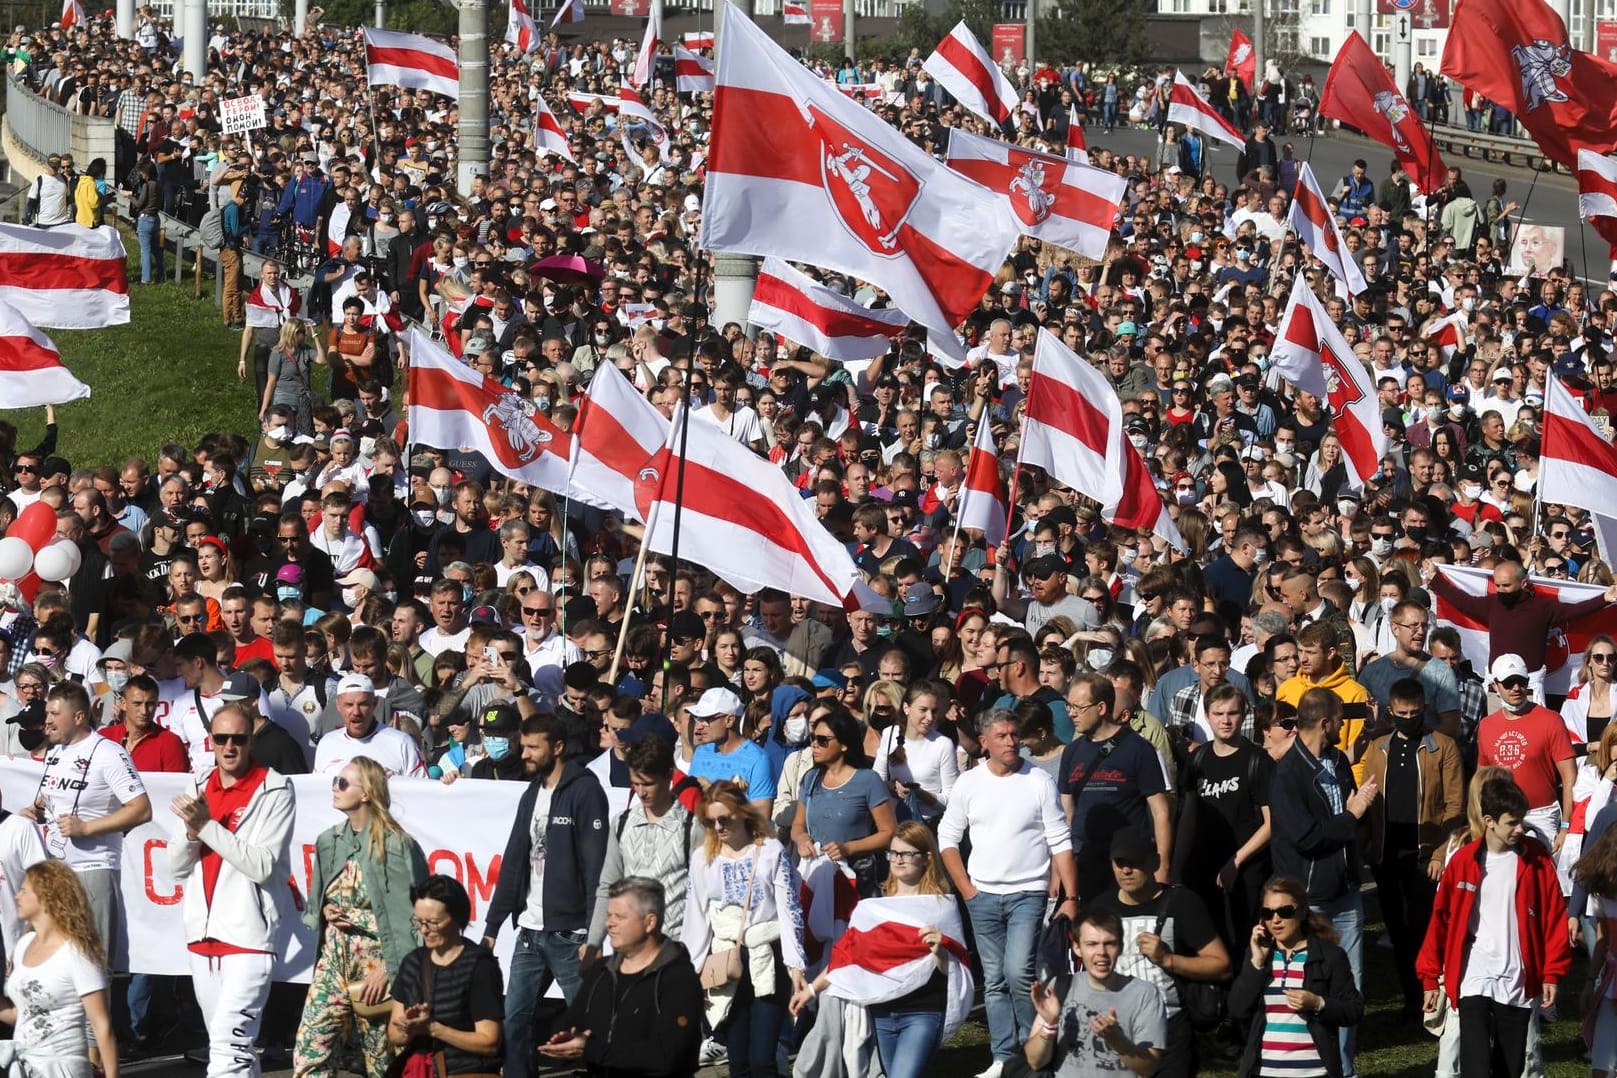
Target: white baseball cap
<point>359,683</point>
<point>1506,667</point>
<point>717,701</point>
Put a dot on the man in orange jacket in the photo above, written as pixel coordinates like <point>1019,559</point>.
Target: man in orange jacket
<point>1497,937</point>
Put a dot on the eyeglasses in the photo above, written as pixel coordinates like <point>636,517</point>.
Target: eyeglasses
<point>538,611</point>
<point>721,823</point>
<point>431,926</point>
<point>230,739</point>
<point>822,740</point>
<point>906,855</point>
<point>286,539</point>
<point>1286,724</point>
<point>1603,657</point>
<point>1284,913</point>
<point>25,468</point>
<point>340,783</point>
<point>711,615</point>
<point>185,619</point>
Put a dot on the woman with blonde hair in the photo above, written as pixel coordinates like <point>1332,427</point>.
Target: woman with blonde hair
<point>291,374</point>
<point>56,982</point>
<point>1591,794</point>
<point>743,928</point>
<point>359,908</point>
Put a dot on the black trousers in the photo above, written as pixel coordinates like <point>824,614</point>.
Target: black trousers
<point>1493,1037</point>
<point>1406,893</point>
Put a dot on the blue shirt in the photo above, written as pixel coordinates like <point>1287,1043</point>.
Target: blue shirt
<point>844,813</point>
<point>748,765</point>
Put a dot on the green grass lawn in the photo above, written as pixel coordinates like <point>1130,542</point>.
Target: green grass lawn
<point>169,375</point>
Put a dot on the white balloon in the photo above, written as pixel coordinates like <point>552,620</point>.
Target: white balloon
<point>16,557</point>
<point>54,562</point>
<point>75,557</point>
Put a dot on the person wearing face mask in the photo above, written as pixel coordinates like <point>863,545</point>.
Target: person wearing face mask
<point>1419,802</point>
<point>1532,742</point>
<point>1518,617</point>
<point>1229,577</point>
<point>498,726</point>
<point>1468,504</point>
<point>1409,659</point>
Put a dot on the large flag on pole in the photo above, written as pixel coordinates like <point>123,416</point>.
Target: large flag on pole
<point>1577,464</point>
<point>1516,52</point>
<point>410,61</point>
<point>1077,146</point>
<point>1242,60</point>
<point>1315,225</point>
<point>616,435</point>
<point>520,29</point>
<point>1073,429</point>
<point>693,72</point>
<point>1360,91</point>
<point>1057,201</point>
<point>1597,194</point>
<point>571,11</point>
<point>740,516</point>
<point>793,305</point>
<point>548,136</point>
<point>646,58</point>
<point>1311,353</point>
<point>1187,106</point>
<point>800,172</point>
<point>68,277</point>
<point>984,505</point>
<point>963,67</point>
<point>453,406</point>
<point>31,370</point>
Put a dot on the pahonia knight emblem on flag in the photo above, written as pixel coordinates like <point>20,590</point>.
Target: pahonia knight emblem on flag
<point>1034,201</point>
<point>1542,62</point>
<point>510,416</point>
<point>873,193</point>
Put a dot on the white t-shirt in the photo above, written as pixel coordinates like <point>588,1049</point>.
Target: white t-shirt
<point>503,574</point>
<point>50,1011</point>
<point>192,726</point>
<point>1494,967</point>
<point>435,641</point>
<point>91,778</point>
<point>533,915</point>
<point>741,424</point>
<point>20,847</point>
<point>391,748</point>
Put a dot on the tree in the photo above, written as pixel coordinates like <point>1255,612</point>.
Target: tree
<point>418,16</point>
<point>1111,32</point>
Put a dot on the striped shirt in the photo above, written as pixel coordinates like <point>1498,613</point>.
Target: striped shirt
<point>1287,1046</point>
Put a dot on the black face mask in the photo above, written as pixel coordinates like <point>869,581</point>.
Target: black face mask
<point>31,737</point>
<point>1411,728</point>
<point>1513,598</point>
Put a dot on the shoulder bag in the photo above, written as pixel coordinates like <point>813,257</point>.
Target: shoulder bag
<point>724,967</point>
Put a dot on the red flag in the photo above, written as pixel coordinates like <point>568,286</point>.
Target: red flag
<point>740,516</point>
<point>1186,106</point>
<point>1242,60</point>
<point>1310,352</point>
<point>72,14</point>
<point>453,406</point>
<point>1315,225</point>
<point>1057,201</point>
<point>983,502</point>
<point>800,172</point>
<point>1358,88</point>
<point>1073,429</point>
<point>794,306</point>
<point>618,432</point>
<point>548,136</point>
<point>1517,53</point>
<point>1597,194</point>
<point>410,61</point>
<point>962,66</point>
<point>31,371</point>
<point>692,73</point>
<point>68,277</point>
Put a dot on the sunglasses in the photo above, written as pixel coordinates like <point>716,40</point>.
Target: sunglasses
<point>539,611</point>
<point>340,783</point>
<point>1603,657</point>
<point>823,740</point>
<point>25,468</point>
<point>234,739</point>
<point>183,618</point>
<point>1514,683</point>
<point>721,823</point>
<point>1284,913</point>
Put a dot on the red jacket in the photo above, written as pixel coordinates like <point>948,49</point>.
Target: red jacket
<point>1540,920</point>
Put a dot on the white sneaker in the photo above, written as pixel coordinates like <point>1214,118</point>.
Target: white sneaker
<point>993,1069</point>
<point>712,1053</point>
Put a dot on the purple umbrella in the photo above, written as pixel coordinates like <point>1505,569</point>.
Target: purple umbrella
<point>568,269</point>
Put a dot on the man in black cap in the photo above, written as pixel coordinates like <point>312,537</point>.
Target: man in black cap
<point>498,726</point>
<point>1047,581</point>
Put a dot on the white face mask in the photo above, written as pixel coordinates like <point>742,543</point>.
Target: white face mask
<point>1099,658</point>
<point>1470,491</point>
<point>350,598</point>
<point>442,494</point>
<point>1457,410</point>
<point>278,435</point>
<point>1387,604</point>
<point>797,728</point>
<point>1381,547</point>
<point>1128,555</point>
<point>424,517</point>
<point>1139,441</point>
<point>461,261</point>
<point>1346,509</point>
<point>1354,583</point>
<point>1285,447</point>
<point>1469,303</point>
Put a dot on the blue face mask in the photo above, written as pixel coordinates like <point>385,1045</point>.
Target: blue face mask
<point>465,593</point>
<point>498,748</point>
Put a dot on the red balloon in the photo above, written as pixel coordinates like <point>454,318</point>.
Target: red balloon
<point>36,526</point>
<point>29,586</point>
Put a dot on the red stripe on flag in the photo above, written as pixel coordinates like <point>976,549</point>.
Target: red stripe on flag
<point>1140,504</point>
<point>970,66</point>
<point>776,293</point>
<point>956,284</point>
<point>26,354</point>
<point>887,946</point>
<point>441,391</point>
<point>755,145</point>
<point>1072,201</point>
<point>1567,439</point>
<point>414,60</point>
<point>36,270</point>
<point>604,437</point>
<point>1058,405</point>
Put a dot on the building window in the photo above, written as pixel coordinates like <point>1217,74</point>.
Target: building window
<point>1319,46</point>
<point>1426,47</point>
<point>1319,7</point>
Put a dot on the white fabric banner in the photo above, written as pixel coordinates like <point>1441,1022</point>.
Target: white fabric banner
<point>462,829</point>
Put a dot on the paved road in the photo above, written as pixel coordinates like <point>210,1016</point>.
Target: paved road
<point>1554,199</point>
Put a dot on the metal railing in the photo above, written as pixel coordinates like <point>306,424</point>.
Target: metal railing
<point>43,128</point>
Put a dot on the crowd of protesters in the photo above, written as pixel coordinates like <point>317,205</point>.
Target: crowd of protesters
<point>1182,766</point>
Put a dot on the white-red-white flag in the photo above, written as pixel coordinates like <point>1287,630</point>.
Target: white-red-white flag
<point>337,227</point>
<point>520,29</point>
<point>571,11</point>
<point>548,136</point>
<point>1055,200</point>
<point>1073,429</point>
<point>963,67</point>
<point>983,504</point>
<point>795,13</point>
<point>582,102</point>
<point>1597,194</point>
<point>1077,145</point>
<point>800,172</point>
<point>882,957</point>
<point>698,40</point>
<point>72,14</point>
<point>635,118</point>
<point>1315,225</point>
<point>616,435</point>
<point>793,305</point>
<point>67,277</point>
<point>31,370</point>
<point>740,516</point>
<point>1311,353</point>
<point>645,60</point>
<point>693,73</point>
<point>453,406</point>
<point>1577,465</point>
<point>1449,334</point>
<point>410,61</point>
<point>1186,106</point>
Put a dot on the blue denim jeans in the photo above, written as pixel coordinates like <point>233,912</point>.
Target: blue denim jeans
<point>1347,915</point>
<point>906,1041</point>
<point>752,1029</point>
<point>151,251</point>
<point>539,958</point>
<point>1007,931</point>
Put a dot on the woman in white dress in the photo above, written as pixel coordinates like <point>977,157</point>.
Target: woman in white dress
<point>57,982</point>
